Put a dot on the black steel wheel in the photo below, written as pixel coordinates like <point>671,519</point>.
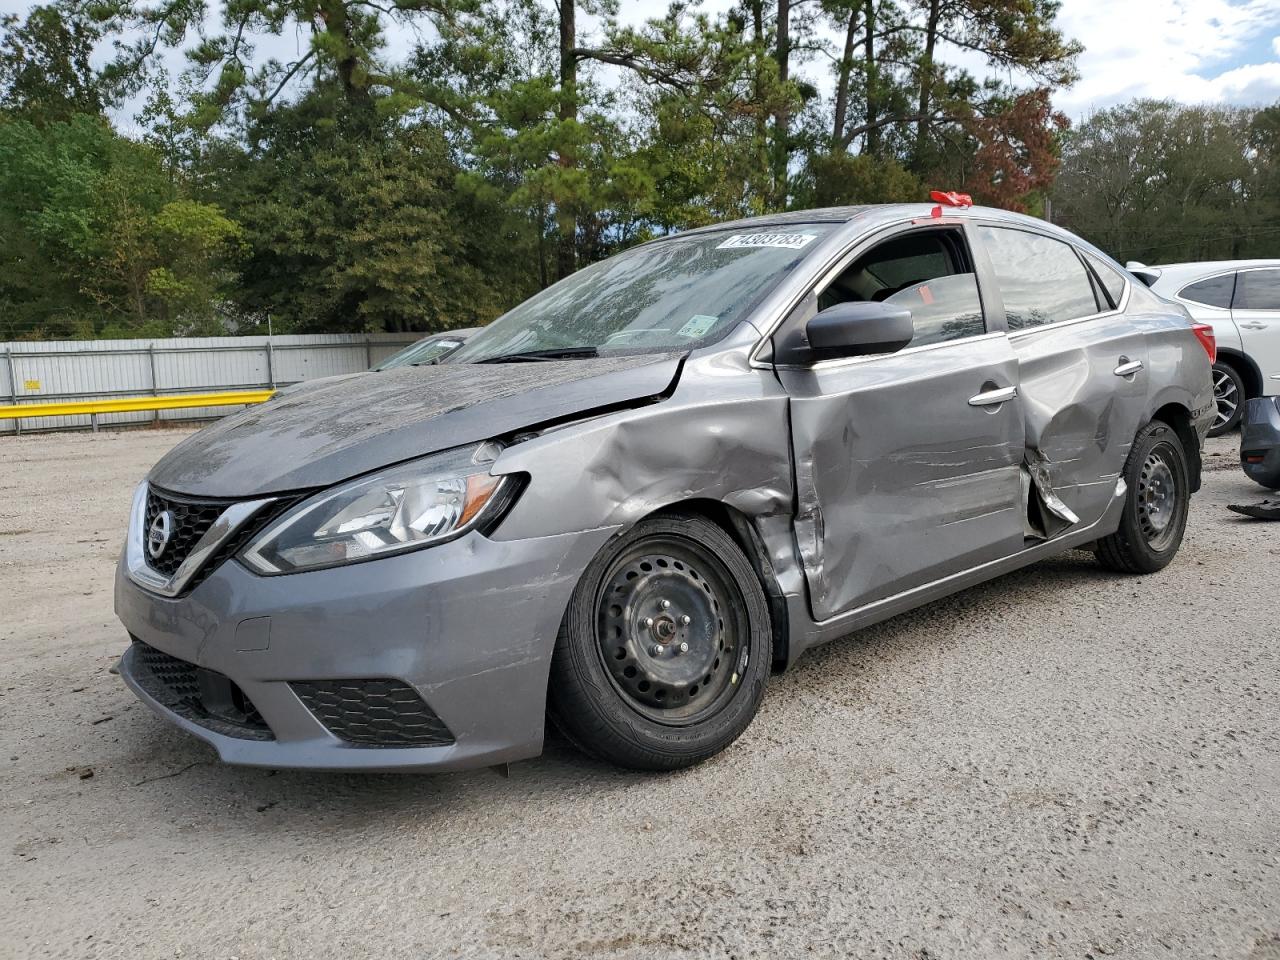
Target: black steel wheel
<point>1228,394</point>
<point>1156,506</point>
<point>664,651</point>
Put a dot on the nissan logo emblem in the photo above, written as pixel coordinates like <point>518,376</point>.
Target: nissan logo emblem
<point>158,534</point>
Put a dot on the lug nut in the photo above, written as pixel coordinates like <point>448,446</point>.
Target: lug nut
<point>648,622</point>
<point>684,648</point>
<point>685,620</point>
<point>665,604</point>
<point>658,650</point>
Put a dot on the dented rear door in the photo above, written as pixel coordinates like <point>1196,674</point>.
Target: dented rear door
<point>1082,371</point>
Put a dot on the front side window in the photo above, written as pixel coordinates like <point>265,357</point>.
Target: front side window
<point>667,296</point>
<point>929,272</point>
<point>1258,290</point>
<point>1213,292</point>
<point>1041,279</point>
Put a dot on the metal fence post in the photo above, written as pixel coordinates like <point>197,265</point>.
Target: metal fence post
<point>13,388</point>
<point>155,384</point>
<point>368,352</point>
<point>271,366</point>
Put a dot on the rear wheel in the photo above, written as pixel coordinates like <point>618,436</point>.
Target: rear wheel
<point>1228,394</point>
<point>1156,507</point>
<point>665,648</point>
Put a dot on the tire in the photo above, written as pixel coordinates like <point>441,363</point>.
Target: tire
<point>1156,507</point>
<point>621,689</point>
<point>1228,394</point>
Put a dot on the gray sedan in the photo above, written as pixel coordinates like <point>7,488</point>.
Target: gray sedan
<point>631,499</point>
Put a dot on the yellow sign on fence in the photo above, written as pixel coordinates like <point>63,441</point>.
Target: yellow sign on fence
<point>31,385</point>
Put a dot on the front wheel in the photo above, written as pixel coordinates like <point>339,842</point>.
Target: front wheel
<point>1156,506</point>
<point>665,648</point>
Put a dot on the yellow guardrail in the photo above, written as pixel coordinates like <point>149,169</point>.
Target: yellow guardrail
<point>176,401</point>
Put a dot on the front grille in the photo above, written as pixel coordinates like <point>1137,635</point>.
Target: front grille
<point>196,694</point>
<point>192,520</point>
<point>374,713</point>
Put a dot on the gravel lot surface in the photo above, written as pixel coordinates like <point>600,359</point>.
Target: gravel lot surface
<point>1062,763</point>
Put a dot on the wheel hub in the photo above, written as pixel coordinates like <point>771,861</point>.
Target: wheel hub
<point>665,636</point>
<point>1157,498</point>
<point>1225,394</point>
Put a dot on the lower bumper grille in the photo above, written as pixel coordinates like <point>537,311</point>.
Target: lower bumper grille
<point>196,694</point>
<point>374,713</point>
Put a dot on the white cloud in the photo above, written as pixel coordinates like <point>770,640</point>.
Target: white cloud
<point>1187,50</point>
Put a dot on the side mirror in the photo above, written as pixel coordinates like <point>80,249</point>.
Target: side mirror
<point>859,328</point>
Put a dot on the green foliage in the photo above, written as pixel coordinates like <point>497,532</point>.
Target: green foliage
<point>1157,182</point>
<point>45,73</point>
<point>340,189</point>
<point>89,218</point>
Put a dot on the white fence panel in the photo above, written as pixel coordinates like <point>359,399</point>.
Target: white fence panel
<point>64,370</point>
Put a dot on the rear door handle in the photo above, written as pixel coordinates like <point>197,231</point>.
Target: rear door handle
<point>989,397</point>
<point>1127,367</point>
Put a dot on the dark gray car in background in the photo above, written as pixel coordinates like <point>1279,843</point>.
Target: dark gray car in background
<point>629,500</point>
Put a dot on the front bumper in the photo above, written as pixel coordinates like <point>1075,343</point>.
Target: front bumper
<point>1260,441</point>
<point>469,625</point>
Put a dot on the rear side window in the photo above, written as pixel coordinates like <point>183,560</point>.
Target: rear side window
<point>1112,279</point>
<point>1041,279</point>
<point>1213,292</point>
<point>1258,290</point>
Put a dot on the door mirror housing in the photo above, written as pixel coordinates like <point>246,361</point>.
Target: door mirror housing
<point>857,329</point>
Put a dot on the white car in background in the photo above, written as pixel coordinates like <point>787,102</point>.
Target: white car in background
<point>1241,300</point>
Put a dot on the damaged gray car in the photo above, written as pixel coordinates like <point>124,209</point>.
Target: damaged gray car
<point>627,502</point>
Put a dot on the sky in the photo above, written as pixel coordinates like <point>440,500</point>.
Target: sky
<point>1192,51</point>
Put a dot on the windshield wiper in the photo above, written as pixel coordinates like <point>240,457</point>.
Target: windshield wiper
<point>555,353</point>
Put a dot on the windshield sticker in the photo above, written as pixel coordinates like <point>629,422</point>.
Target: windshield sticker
<point>697,326</point>
<point>788,241</point>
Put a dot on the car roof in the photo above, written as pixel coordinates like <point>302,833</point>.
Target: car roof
<point>877,213</point>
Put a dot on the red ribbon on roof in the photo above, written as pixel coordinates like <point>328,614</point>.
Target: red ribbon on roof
<point>951,198</point>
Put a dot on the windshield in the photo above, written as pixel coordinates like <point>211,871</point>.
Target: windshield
<point>424,351</point>
<point>661,297</point>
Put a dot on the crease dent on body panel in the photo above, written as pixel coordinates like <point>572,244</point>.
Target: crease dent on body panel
<point>809,529</point>
<point>1045,515</point>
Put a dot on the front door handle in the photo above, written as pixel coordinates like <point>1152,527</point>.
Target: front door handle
<point>1252,325</point>
<point>989,397</point>
<point>1127,367</point>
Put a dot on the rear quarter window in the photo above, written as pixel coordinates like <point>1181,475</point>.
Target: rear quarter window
<point>1212,292</point>
<point>1113,280</point>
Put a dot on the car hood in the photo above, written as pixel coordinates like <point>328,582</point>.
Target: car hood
<point>353,425</point>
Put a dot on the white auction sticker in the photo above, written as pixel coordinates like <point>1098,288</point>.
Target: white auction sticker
<point>788,241</point>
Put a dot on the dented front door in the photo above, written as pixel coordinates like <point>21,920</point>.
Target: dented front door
<point>907,468</point>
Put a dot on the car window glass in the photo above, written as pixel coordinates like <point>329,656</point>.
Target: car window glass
<point>1112,279</point>
<point>424,351</point>
<point>945,308</point>
<point>1258,290</point>
<point>928,272</point>
<point>1213,292</point>
<point>671,295</point>
<point>1041,279</point>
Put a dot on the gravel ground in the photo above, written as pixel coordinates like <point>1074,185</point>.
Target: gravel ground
<point>1062,763</point>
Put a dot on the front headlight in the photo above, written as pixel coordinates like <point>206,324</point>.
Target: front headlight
<point>407,507</point>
